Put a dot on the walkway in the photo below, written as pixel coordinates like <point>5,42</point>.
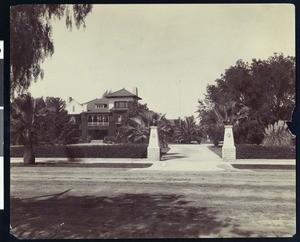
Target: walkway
<point>191,157</point>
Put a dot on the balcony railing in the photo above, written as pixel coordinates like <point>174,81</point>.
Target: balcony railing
<point>120,109</point>
<point>97,123</point>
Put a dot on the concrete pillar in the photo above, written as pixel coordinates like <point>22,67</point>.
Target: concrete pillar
<point>228,149</point>
<point>153,150</point>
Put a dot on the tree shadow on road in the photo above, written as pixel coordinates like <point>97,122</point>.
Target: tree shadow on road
<point>124,216</point>
<point>172,156</point>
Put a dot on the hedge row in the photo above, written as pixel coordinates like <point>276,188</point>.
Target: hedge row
<point>263,152</point>
<point>99,151</point>
<point>259,152</point>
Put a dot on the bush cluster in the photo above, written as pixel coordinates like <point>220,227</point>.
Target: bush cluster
<point>113,139</point>
<point>99,151</point>
<point>277,134</point>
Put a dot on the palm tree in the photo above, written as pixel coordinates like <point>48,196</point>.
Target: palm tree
<point>137,129</point>
<point>230,113</point>
<point>187,131</point>
<point>212,120</point>
<point>24,112</point>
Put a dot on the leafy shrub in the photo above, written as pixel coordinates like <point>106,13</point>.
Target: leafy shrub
<point>109,140</point>
<point>216,143</point>
<point>114,140</point>
<point>98,151</point>
<point>251,132</point>
<point>277,135</point>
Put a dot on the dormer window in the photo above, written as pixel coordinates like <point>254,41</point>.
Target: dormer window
<point>100,105</point>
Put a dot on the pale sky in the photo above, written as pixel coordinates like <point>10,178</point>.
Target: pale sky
<point>157,47</point>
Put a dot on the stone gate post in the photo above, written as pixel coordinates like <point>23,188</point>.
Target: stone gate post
<point>228,149</point>
<point>153,150</point>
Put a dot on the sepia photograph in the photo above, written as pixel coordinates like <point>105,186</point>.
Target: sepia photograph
<point>140,121</point>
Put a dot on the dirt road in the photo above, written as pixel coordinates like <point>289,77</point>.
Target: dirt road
<point>65,202</point>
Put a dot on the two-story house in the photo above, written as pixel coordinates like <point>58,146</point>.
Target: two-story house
<point>100,117</point>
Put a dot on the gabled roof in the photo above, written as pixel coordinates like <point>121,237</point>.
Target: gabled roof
<point>72,102</point>
<point>122,93</point>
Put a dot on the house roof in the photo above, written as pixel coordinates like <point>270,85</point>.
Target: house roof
<point>72,102</point>
<point>102,100</point>
<point>92,108</point>
<point>122,93</point>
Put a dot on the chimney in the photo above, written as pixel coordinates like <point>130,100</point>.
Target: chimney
<point>69,99</point>
<point>135,91</point>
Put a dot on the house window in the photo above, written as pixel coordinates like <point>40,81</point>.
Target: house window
<point>101,105</point>
<point>105,118</point>
<point>121,104</point>
<point>100,119</point>
<point>72,120</point>
<point>119,119</point>
<point>89,118</point>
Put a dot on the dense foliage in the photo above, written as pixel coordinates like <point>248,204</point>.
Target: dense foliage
<point>31,38</point>
<point>135,127</point>
<point>250,96</point>
<point>54,124</point>
<point>98,151</point>
<point>37,121</point>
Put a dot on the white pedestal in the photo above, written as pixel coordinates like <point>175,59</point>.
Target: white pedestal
<point>228,149</point>
<point>153,154</point>
<point>153,150</point>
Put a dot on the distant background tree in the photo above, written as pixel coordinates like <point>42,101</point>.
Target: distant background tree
<point>31,38</point>
<point>252,96</point>
<point>54,123</point>
<point>106,93</point>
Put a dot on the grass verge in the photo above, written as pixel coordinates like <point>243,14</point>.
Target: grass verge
<point>96,165</point>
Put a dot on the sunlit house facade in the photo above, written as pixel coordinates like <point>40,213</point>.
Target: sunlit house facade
<point>100,117</point>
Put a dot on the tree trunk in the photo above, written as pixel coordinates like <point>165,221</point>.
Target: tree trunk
<point>28,157</point>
